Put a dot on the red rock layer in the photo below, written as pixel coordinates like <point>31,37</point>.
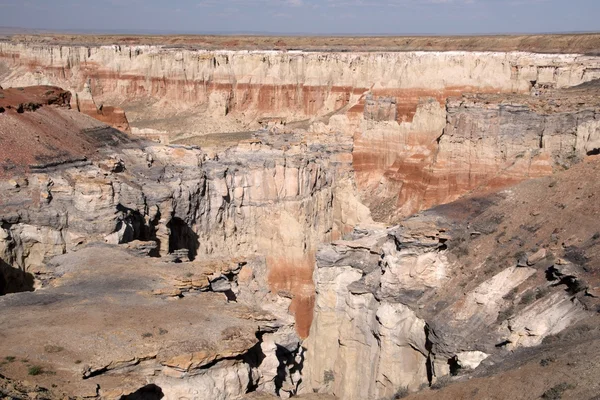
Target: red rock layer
<point>294,278</point>
<point>113,116</point>
<point>37,128</point>
<point>33,97</point>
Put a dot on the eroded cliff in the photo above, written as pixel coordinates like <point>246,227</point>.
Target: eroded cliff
<point>394,104</point>
<point>228,218</point>
<point>462,285</point>
<point>206,214</point>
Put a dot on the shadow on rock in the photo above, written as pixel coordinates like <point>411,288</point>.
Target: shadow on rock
<point>182,237</point>
<point>14,280</point>
<point>148,392</point>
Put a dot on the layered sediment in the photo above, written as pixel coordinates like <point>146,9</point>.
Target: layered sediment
<point>457,287</point>
<point>268,198</point>
<point>261,209</point>
<point>394,104</point>
<point>272,196</point>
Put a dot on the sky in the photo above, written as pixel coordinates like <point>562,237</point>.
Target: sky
<point>446,17</point>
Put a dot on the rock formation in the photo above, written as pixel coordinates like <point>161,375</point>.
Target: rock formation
<point>457,286</point>
<point>395,103</point>
<point>243,257</point>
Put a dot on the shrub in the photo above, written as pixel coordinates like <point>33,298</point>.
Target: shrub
<point>528,297</point>
<point>35,370</point>
<point>541,293</point>
<point>505,314</point>
<point>547,361</point>
<point>441,383</point>
<point>10,358</point>
<point>328,377</point>
<point>511,295</point>
<point>53,349</point>
<point>556,392</point>
<point>401,393</point>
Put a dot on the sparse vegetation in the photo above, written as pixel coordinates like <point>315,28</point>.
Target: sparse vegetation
<point>541,293</point>
<point>441,383</point>
<point>400,393</point>
<point>328,377</point>
<point>528,297</point>
<point>576,255</point>
<point>556,392</point>
<point>511,295</point>
<point>574,333</point>
<point>489,225</point>
<point>35,370</point>
<point>520,254</point>
<point>53,349</point>
<point>10,358</point>
<point>530,228</point>
<point>147,335</point>
<point>547,361</point>
<point>460,245</point>
<point>505,314</point>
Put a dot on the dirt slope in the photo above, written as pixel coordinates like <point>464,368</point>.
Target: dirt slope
<point>38,128</point>
<point>559,216</point>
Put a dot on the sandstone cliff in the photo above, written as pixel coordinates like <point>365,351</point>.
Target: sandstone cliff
<point>456,287</point>
<point>394,104</point>
<point>259,206</point>
<point>278,198</point>
<point>242,216</point>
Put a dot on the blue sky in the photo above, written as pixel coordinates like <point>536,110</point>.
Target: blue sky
<point>305,16</point>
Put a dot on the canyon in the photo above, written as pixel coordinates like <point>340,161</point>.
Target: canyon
<point>185,222</point>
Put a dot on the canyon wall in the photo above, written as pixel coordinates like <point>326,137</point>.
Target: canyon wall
<point>269,196</point>
<point>387,312</point>
<point>394,103</point>
<point>89,214</point>
<point>462,286</point>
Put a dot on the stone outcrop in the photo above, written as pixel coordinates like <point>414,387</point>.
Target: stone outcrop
<point>110,115</point>
<point>270,196</point>
<point>453,288</point>
<point>486,142</point>
<point>239,224</point>
<point>232,223</point>
<point>404,154</point>
<point>478,143</point>
<point>109,326</point>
